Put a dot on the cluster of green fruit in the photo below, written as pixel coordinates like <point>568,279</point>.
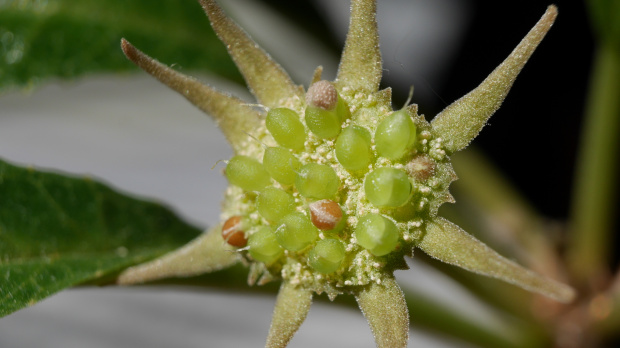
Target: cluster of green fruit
<point>302,210</point>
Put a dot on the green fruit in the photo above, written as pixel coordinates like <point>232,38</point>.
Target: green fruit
<point>286,128</point>
<point>377,234</point>
<point>342,109</point>
<point>263,246</point>
<point>325,110</point>
<point>353,148</point>
<point>327,255</point>
<point>317,181</point>
<point>395,135</point>
<point>325,124</point>
<point>273,204</point>
<point>281,164</point>
<point>387,187</point>
<point>247,173</point>
<point>295,232</point>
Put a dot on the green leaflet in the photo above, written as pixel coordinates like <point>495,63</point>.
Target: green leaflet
<point>57,231</point>
<point>62,38</point>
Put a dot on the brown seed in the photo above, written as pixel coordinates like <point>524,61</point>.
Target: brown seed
<point>325,214</point>
<point>421,168</point>
<point>232,233</point>
<point>322,95</point>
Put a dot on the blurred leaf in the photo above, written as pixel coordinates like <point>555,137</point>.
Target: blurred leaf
<point>67,38</point>
<point>57,231</point>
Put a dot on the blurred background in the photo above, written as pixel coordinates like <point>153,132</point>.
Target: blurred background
<point>143,139</point>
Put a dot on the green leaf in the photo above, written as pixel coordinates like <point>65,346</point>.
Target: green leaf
<point>57,231</point>
<point>63,38</point>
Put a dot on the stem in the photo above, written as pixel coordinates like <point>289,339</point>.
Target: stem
<point>597,171</point>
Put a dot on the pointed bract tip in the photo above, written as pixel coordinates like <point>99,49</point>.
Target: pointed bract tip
<point>548,18</point>
<point>447,242</point>
<point>360,65</point>
<point>552,10</point>
<point>292,306</point>
<point>460,122</point>
<point>267,80</point>
<point>385,308</point>
<point>130,51</point>
<point>125,45</point>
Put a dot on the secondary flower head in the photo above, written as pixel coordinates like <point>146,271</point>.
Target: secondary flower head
<point>331,188</point>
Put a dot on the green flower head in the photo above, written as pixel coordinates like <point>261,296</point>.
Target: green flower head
<point>330,188</point>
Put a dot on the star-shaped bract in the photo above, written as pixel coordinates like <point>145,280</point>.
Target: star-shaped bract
<point>331,188</point>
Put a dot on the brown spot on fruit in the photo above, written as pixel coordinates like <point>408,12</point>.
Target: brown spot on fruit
<point>232,232</point>
<point>325,214</point>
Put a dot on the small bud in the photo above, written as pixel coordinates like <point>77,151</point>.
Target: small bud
<point>286,128</point>
<point>232,232</point>
<point>322,94</point>
<point>263,245</point>
<point>247,173</point>
<point>387,187</point>
<point>325,214</point>
<point>324,112</point>
<point>395,135</point>
<point>421,167</point>
<point>317,181</point>
<point>327,255</point>
<point>377,234</point>
<point>353,148</point>
<point>296,232</point>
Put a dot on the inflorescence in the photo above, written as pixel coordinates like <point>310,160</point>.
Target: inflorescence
<point>334,185</point>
